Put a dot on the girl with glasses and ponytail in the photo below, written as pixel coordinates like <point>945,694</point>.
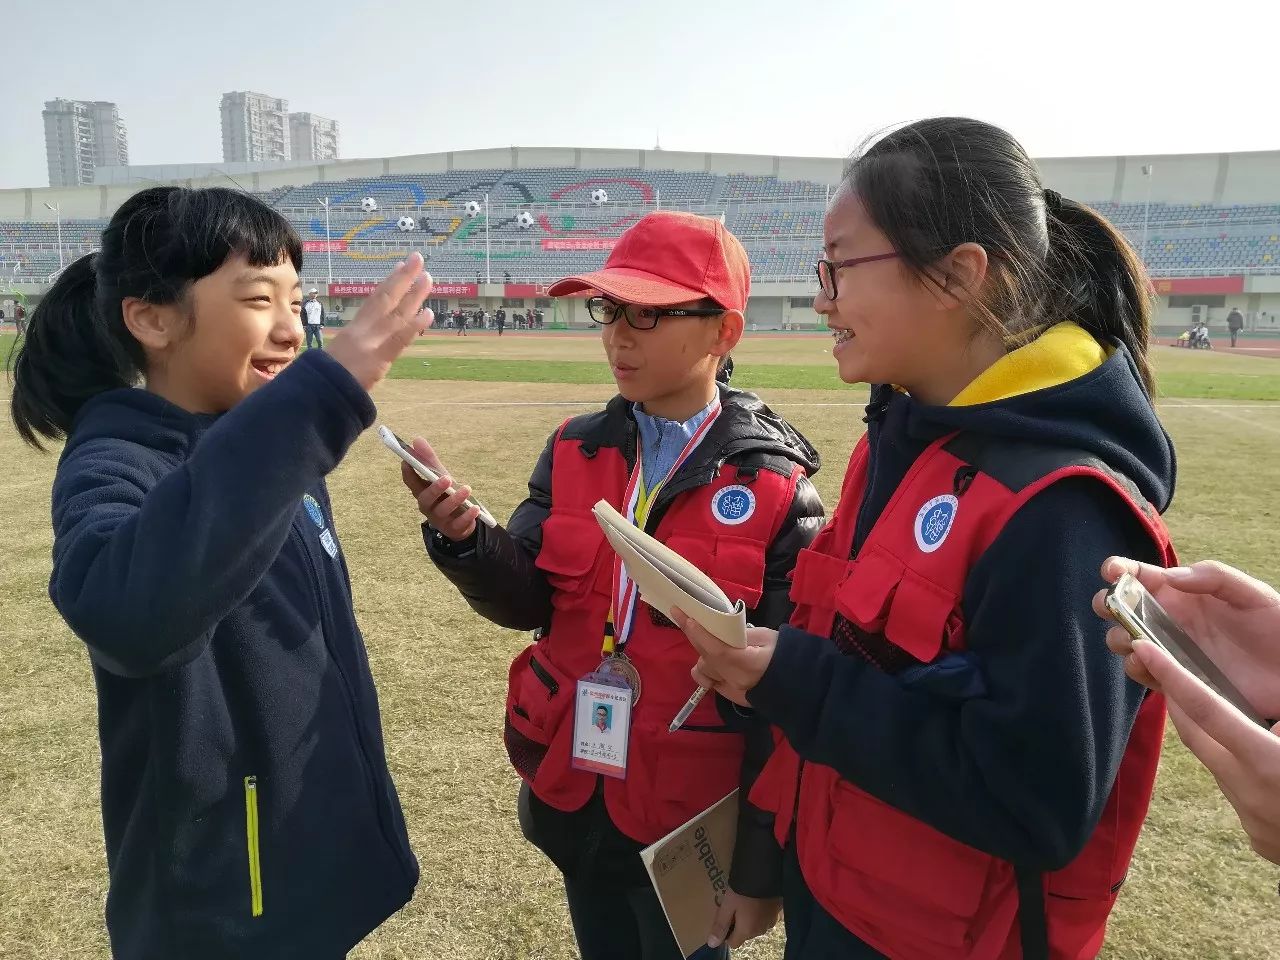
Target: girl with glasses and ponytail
<point>962,767</point>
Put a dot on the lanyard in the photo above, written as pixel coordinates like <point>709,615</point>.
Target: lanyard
<point>636,504</point>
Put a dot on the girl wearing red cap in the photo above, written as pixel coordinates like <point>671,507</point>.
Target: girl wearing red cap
<point>723,480</point>
<point>964,767</point>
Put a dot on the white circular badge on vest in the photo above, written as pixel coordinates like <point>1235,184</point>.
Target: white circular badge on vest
<point>733,505</point>
<point>934,521</point>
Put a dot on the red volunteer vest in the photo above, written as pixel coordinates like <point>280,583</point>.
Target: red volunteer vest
<point>908,890</point>
<point>670,776</point>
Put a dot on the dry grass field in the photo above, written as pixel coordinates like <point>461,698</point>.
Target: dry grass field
<point>1195,893</point>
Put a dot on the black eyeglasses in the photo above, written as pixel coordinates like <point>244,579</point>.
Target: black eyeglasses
<point>827,271</point>
<point>605,311</point>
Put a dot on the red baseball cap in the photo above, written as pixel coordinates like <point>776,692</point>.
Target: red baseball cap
<point>667,258</point>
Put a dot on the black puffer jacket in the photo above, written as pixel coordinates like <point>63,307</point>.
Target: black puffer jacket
<point>495,572</point>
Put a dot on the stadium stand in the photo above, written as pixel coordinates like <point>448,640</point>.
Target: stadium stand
<point>779,221</point>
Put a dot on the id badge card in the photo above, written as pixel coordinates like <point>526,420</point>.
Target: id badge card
<point>601,725</point>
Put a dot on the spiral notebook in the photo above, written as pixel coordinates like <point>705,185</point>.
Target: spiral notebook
<point>667,581</point>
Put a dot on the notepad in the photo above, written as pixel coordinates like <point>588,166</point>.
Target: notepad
<point>667,581</point>
<point>689,869</point>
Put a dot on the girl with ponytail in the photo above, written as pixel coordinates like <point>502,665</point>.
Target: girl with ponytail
<point>246,802</point>
<point>963,768</point>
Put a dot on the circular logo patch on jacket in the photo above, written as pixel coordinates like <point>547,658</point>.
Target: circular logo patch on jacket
<point>733,505</point>
<point>934,521</point>
<point>314,511</point>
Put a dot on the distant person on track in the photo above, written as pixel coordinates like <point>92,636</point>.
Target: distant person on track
<point>1235,323</point>
<point>20,318</point>
<point>313,318</point>
<point>501,321</point>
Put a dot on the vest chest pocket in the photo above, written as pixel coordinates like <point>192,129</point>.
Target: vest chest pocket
<point>736,564</point>
<point>883,595</point>
<point>813,586</point>
<point>575,557</point>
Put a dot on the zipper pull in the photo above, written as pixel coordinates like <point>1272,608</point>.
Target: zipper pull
<point>875,411</point>
<point>629,448</point>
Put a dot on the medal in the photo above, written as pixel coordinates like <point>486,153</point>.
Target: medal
<point>636,501</point>
<point>621,666</point>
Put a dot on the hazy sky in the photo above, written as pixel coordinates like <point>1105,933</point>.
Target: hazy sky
<point>806,77</point>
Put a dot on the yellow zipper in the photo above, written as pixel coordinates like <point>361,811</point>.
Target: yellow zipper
<point>251,831</point>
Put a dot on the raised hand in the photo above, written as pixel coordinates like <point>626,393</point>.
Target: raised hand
<point>386,324</point>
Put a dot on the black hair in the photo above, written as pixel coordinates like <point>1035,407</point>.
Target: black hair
<point>159,242</point>
<point>935,184</point>
<point>724,370</point>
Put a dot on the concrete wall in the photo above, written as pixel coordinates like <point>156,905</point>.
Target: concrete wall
<point>15,205</point>
<point>147,174</point>
<point>349,169</point>
<point>819,169</point>
<point>1188,179</point>
<point>1083,178</point>
<point>270,179</point>
<point>1191,178</point>
<point>545,156</point>
<point>1262,284</point>
<point>1251,177</point>
<point>674,160</point>
<point>608,158</point>
<point>1219,178</point>
<point>477,160</point>
<point>726,163</point>
<point>426,163</point>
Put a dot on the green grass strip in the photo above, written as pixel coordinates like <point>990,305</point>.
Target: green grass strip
<point>1198,386</point>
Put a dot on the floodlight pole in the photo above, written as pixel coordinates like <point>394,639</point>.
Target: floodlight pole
<point>328,243</point>
<point>1147,170</point>
<point>57,212</point>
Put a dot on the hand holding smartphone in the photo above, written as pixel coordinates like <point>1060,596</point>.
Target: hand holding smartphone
<point>1135,609</point>
<point>405,452</point>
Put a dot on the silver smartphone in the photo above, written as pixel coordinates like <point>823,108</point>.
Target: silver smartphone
<point>405,452</point>
<point>1141,615</point>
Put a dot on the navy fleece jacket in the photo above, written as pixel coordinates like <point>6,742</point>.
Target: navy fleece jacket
<point>197,559</point>
<point>1023,771</point>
